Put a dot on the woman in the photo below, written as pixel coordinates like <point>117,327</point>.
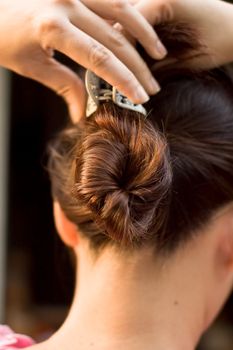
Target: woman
<point>148,213</point>
<point>146,204</point>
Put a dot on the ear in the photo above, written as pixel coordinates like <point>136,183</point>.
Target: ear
<point>66,229</point>
<point>224,251</point>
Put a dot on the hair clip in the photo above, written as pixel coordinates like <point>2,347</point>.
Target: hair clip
<point>100,91</point>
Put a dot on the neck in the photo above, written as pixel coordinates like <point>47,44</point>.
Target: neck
<point>135,303</point>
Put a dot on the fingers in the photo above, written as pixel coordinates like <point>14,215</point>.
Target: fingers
<point>105,34</point>
<point>155,13</point>
<point>90,54</point>
<point>144,34</point>
<point>64,82</point>
<point>132,20</point>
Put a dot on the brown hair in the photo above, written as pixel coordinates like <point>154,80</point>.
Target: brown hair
<point>130,181</point>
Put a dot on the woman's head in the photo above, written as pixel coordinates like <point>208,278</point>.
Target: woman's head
<point>130,181</point>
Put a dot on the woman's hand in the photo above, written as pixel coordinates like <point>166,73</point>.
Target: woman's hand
<point>212,18</point>
<point>30,31</point>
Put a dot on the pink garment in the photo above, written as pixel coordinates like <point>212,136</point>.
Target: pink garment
<point>11,341</point>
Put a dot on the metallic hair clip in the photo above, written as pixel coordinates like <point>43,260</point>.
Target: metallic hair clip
<point>100,91</point>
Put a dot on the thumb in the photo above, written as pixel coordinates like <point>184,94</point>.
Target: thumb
<point>65,83</point>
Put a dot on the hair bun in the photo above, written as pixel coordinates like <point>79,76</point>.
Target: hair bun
<point>123,173</point>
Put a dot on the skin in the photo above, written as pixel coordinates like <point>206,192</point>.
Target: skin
<point>142,300</point>
<point>219,43</point>
<point>32,30</point>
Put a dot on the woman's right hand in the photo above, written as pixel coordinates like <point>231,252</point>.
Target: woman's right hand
<point>213,20</point>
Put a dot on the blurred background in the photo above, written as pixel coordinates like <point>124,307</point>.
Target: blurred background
<point>36,275</point>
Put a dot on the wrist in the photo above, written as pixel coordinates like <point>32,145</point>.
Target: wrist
<point>225,33</point>
<point>214,22</point>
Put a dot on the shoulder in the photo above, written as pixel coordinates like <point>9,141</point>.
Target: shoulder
<point>10,340</point>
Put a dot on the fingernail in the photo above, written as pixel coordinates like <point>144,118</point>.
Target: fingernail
<point>140,95</point>
<point>161,49</point>
<point>155,87</point>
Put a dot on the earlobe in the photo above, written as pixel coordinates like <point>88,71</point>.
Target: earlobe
<point>66,229</point>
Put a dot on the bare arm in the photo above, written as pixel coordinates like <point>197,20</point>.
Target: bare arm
<point>212,18</point>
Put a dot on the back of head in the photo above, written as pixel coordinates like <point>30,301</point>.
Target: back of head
<point>130,181</point>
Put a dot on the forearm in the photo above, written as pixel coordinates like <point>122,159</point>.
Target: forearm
<point>214,21</point>
<point>226,33</point>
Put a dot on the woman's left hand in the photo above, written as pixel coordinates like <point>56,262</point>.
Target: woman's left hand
<point>30,31</point>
